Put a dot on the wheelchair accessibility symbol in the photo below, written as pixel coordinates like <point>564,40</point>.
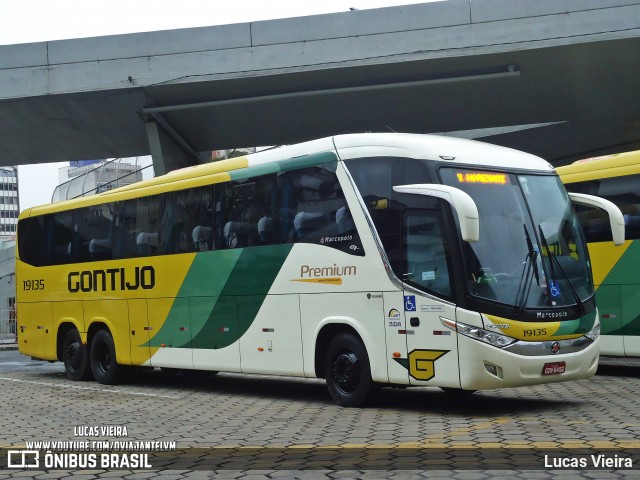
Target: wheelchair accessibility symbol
<point>409,303</point>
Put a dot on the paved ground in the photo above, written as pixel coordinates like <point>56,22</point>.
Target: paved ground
<point>250,427</point>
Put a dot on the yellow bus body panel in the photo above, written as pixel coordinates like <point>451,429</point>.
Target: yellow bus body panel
<point>42,312</point>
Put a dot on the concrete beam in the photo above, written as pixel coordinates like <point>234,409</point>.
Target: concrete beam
<point>166,153</point>
<point>83,98</point>
<point>366,37</point>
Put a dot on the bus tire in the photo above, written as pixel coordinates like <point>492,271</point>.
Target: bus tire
<point>102,355</point>
<point>348,372</point>
<point>75,357</point>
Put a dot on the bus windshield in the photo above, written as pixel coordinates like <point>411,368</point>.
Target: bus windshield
<point>531,252</point>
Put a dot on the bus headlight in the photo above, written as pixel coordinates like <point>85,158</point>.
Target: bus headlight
<point>477,333</point>
<point>594,333</point>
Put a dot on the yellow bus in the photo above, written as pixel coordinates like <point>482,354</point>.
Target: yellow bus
<point>366,260</point>
<point>615,272</point>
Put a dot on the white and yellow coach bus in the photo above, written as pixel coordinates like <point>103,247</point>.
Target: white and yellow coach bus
<point>366,260</point>
<point>615,270</point>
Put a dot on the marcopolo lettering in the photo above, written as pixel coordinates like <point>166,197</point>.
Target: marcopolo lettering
<point>112,279</point>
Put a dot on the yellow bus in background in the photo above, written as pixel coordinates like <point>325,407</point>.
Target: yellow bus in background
<point>616,271</point>
<point>366,260</point>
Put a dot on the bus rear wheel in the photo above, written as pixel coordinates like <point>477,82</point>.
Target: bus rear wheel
<point>348,372</point>
<point>103,359</point>
<point>75,357</point>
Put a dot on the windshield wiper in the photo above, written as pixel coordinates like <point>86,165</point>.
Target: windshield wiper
<point>530,263</point>
<point>554,261</point>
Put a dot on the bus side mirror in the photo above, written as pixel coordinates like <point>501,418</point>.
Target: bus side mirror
<point>463,204</point>
<point>616,219</point>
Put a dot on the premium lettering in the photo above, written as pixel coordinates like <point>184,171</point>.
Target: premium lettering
<point>334,271</point>
<point>112,279</point>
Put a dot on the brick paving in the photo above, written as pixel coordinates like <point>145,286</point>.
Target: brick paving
<point>252,427</point>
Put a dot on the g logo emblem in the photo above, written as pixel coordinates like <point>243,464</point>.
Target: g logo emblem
<point>422,363</point>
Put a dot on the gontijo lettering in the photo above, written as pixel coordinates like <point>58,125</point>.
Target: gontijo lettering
<point>112,279</point>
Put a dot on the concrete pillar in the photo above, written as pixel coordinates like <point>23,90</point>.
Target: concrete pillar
<point>167,153</point>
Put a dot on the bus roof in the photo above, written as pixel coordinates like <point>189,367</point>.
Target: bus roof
<point>616,165</point>
<point>428,147</point>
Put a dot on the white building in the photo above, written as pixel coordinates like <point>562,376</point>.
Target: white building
<point>7,290</point>
<point>9,205</point>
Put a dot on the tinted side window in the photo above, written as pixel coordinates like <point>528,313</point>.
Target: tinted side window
<point>305,205</point>
<point>624,192</point>
<point>312,209</point>
<point>92,233</point>
<point>129,222</point>
<point>375,179</point>
<point>245,212</point>
<point>198,206</point>
<point>186,223</point>
<point>30,240</point>
<point>58,237</point>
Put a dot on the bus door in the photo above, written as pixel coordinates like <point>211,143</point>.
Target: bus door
<point>139,330</point>
<point>432,348</point>
<point>395,331</point>
<point>630,295</point>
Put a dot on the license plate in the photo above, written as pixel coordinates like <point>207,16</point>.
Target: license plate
<point>554,368</point>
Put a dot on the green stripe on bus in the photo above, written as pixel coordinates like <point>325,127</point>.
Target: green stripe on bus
<point>242,295</point>
<point>619,297</point>
<point>626,268</point>
<point>255,171</point>
<point>308,161</point>
<point>226,290</point>
<point>579,325</point>
<point>284,165</point>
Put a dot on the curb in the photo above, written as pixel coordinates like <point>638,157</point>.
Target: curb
<point>8,346</point>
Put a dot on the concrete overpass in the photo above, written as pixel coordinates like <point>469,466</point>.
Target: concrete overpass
<point>568,70</point>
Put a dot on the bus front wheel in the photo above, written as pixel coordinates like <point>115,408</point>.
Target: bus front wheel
<point>75,357</point>
<point>103,359</point>
<point>348,372</point>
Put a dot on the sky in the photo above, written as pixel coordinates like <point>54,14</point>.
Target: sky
<point>26,21</point>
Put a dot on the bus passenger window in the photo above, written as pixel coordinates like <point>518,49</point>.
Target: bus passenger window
<point>125,231</point>
<point>171,225</point>
<point>187,221</point>
<point>244,212</point>
<point>59,235</point>
<point>199,218</point>
<point>30,240</point>
<point>92,235</point>
<point>624,191</point>
<point>312,209</point>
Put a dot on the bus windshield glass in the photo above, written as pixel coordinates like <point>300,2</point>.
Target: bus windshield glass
<point>531,252</point>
